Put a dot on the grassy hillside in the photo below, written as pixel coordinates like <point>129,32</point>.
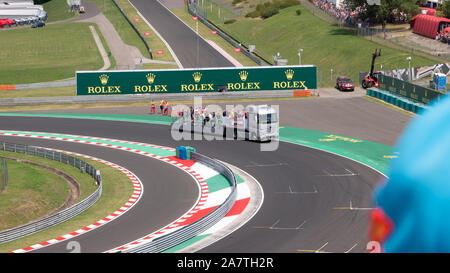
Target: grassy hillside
<point>46,54</point>
<point>126,32</point>
<point>117,189</point>
<point>325,45</point>
<point>152,40</point>
<point>32,192</point>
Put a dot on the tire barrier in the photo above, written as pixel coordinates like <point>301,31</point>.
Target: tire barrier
<point>396,100</point>
<point>183,234</point>
<point>60,216</point>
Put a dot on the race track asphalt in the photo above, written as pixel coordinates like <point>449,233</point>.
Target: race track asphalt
<point>306,192</point>
<point>183,40</point>
<point>168,193</point>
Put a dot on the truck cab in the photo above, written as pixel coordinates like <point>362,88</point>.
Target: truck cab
<point>261,123</point>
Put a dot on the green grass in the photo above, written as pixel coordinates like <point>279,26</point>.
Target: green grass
<point>85,180</point>
<point>152,40</point>
<point>57,10</point>
<point>39,93</point>
<point>325,45</point>
<point>126,32</point>
<point>32,193</point>
<point>46,54</point>
<point>205,32</point>
<point>111,58</point>
<point>159,66</point>
<point>220,12</point>
<point>117,189</point>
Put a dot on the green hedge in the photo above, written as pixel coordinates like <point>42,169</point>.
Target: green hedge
<point>269,9</point>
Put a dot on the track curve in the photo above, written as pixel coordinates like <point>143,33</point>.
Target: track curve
<point>188,47</point>
<point>151,213</point>
<point>306,190</point>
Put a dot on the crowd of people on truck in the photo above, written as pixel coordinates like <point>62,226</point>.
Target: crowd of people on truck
<point>201,115</point>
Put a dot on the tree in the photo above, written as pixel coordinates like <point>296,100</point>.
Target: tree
<point>445,9</point>
<point>382,11</point>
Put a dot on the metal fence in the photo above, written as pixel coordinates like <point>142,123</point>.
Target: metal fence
<point>172,239</point>
<point>53,155</point>
<point>63,215</point>
<point>3,175</point>
<point>46,85</point>
<point>391,37</point>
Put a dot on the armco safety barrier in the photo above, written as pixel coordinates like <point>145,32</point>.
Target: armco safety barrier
<point>177,237</point>
<point>135,29</point>
<point>9,87</point>
<point>58,217</point>
<point>198,11</point>
<point>146,97</point>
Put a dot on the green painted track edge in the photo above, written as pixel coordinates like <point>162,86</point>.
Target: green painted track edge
<point>364,156</point>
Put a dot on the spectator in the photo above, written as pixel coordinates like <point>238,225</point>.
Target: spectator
<point>161,106</point>
<point>152,107</point>
<point>166,108</point>
<point>341,12</point>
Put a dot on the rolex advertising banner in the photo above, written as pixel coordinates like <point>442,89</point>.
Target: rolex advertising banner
<point>196,80</point>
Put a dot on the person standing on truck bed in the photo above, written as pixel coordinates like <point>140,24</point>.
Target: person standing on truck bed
<point>161,105</point>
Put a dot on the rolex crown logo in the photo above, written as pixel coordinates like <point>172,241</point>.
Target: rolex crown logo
<point>197,76</point>
<point>104,79</point>
<point>243,75</point>
<point>289,74</point>
<point>150,77</point>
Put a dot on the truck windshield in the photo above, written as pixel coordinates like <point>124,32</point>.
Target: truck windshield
<point>267,118</point>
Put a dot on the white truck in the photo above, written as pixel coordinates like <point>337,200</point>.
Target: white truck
<point>256,123</point>
<point>262,123</point>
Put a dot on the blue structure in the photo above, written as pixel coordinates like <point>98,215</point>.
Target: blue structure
<point>181,152</point>
<point>440,81</point>
<point>417,195</point>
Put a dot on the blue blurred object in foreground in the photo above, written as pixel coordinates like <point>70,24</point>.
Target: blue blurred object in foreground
<point>417,195</point>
